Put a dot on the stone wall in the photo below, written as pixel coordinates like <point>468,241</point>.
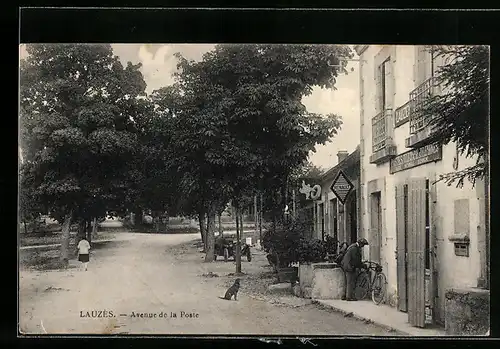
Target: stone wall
<point>328,281</point>
<point>467,312</point>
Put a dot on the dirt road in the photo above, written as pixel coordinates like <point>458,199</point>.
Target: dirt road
<point>153,284</point>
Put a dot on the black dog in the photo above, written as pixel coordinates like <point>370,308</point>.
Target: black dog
<point>232,291</point>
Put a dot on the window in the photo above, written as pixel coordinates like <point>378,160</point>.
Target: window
<point>385,87</point>
<point>425,64</point>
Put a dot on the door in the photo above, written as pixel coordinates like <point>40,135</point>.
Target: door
<point>435,301</point>
<point>333,219</point>
<point>416,251</point>
<point>375,241</point>
<point>401,245</point>
<point>322,221</point>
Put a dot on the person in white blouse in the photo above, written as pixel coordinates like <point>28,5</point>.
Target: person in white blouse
<point>83,252</point>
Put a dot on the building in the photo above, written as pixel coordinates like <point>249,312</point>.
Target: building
<point>332,216</point>
<point>428,237</point>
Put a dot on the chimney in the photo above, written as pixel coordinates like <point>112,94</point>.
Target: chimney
<point>342,154</point>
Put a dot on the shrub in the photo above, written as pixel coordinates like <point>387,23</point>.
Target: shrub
<point>331,245</point>
<point>311,251</point>
<point>283,239</point>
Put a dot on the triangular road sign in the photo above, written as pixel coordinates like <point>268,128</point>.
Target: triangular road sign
<point>341,186</point>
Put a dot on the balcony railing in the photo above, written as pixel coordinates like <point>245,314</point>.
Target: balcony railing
<point>382,130</point>
<point>418,119</point>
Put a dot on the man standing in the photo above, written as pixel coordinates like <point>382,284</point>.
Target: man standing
<point>351,262</point>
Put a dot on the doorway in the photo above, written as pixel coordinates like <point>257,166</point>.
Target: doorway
<point>333,219</point>
<point>417,290</point>
<point>375,242</point>
<point>322,220</point>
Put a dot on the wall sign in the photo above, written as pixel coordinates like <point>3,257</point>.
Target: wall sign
<point>416,157</point>
<point>402,115</point>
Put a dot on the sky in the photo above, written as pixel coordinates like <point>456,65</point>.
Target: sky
<point>159,63</point>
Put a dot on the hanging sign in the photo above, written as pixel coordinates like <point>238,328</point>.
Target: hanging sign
<point>311,192</point>
<point>341,186</point>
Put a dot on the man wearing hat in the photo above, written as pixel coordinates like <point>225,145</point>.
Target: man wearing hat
<point>350,263</point>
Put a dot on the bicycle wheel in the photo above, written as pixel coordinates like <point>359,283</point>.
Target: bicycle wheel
<point>378,288</point>
<point>362,285</point>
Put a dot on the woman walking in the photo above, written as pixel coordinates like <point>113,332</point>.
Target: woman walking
<point>83,252</point>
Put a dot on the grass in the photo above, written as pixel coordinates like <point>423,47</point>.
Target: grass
<point>47,259</point>
<point>35,239</point>
<point>44,259</point>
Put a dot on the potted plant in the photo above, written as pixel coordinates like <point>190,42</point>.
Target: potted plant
<point>309,251</point>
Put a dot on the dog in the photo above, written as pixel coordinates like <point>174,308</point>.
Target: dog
<point>232,291</point>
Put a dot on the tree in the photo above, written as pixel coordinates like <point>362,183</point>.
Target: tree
<point>78,133</point>
<point>461,111</point>
<point>244,124</point>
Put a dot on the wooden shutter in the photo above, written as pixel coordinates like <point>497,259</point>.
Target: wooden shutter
<point>423,64</point>
<point>389,84</point>
<point>433,251</point>
<point>416,252</point>
<point>375,239</point>
<point>401,247</point>
<point>378,90</point>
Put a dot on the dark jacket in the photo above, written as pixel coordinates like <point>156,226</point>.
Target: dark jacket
<point>352,258</point>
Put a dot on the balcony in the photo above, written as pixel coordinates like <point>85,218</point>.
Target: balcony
<point>420,128</point>
<point>383,148</point>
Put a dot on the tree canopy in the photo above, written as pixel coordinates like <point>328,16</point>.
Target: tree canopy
<point>79,135</point>
<point>241,126</point>
<point>233,125</point>
<point>461,110</point>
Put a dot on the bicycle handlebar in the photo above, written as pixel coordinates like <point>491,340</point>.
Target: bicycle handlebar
<point>372,265</point>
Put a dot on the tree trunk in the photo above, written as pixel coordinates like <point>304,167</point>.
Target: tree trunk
<point>94,227</point>
<point>89,231</point>
<point>221,231</point>
<point>82,225</point>
<point>255,215</point>
<point>237,252</point>
<point>137,217</point>
<point>65,240</point>
<point>167,218</point>
<point>210,236</point>
<point>260,218</point>
<point>201,219</point>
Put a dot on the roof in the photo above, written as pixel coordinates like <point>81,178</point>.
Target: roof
<point>360,49</point>
<point>350,164</point>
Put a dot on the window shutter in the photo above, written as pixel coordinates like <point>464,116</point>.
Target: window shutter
<point>389,83</point>
<point>378,91</point>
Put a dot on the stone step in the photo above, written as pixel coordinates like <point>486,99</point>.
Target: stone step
<point>281,288</point>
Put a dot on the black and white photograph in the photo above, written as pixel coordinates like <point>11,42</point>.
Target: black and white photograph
<point>253,189</point>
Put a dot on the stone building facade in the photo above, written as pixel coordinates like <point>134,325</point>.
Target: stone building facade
<point>429,238</point>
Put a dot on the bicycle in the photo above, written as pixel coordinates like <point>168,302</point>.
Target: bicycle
<point>365,284</point>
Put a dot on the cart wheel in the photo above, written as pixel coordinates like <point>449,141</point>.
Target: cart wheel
<point>249,256</point>
<point>226,254</point>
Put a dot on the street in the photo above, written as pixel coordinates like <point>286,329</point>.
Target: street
<point>140,281</point>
